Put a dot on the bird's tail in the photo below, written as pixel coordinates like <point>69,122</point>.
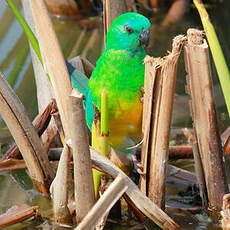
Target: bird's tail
<point>78,79</point>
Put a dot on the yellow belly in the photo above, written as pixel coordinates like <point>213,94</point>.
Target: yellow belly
<point>126,122</point>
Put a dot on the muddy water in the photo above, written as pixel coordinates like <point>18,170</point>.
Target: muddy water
<point>15,62</point>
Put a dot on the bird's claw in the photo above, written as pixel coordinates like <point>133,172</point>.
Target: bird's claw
<point>142,89</point>
<point>142,94</point>
<point>137,165</point>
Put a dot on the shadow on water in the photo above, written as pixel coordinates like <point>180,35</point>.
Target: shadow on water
<point>15,62</point>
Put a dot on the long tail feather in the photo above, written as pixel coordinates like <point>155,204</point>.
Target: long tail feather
<point>78,79</point>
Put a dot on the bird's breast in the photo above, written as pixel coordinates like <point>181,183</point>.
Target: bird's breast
<point>126,121</point>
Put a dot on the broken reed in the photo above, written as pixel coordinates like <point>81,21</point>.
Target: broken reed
<point>199,86</point>
<point>83,177</point>
<point>160,79</point>
<point>59,190</point>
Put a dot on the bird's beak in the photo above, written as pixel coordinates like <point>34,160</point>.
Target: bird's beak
<point>144,37</point>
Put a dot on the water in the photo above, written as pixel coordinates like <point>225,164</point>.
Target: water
<point>15,62</point>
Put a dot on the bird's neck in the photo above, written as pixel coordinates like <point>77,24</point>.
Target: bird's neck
<point>137,52</point>
<point>140,51</point>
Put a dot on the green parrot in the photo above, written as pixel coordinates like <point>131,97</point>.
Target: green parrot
<point>120,70</point>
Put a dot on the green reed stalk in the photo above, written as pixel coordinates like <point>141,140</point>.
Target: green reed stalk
<point>100,133</point>
<point>217,54</point>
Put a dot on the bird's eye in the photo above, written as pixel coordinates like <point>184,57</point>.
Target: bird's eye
<point>129,29</point>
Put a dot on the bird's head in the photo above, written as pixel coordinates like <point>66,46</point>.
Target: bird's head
<point>129,31</point>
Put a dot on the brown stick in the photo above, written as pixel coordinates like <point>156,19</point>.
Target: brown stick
<point>59,190</point>
<point>204,116</point>
<point>12,164</point>
<point>17,214</point>
<point>40,124</point>
<point>162,110</point>
<point>25,137</point>
<point>83,177</point>
<point>181,174</point>
<point>104,204</point>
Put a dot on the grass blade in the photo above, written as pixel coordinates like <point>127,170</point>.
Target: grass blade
<point>217,54</point>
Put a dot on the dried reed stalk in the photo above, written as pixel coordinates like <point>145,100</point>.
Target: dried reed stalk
<point>181,174</point>
<point>53,60</point>
<point>165,73</point>
<point>104,204</point>
<point>143,203</point>
<point>12,164</point>
<point>17,214</point>
<point>45,92</point>
<point>25,137</point>
<point>59,190</point>
<point>146,117</point>
<point>203,111</point>
<point>83,177</point>
<point>112,9</point>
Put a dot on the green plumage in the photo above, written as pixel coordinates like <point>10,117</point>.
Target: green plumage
<point>120,70</point>
<point>121,74</point>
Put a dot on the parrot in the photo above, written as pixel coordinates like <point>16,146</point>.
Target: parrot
<point>120,70</point>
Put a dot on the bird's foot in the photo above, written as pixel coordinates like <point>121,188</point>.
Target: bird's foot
<point>142,94</point>
<point>137,165</point>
